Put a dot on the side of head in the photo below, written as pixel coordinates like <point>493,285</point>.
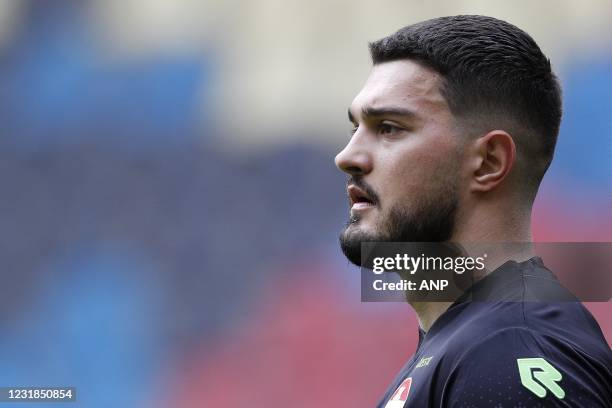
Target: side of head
<point>484,113</point>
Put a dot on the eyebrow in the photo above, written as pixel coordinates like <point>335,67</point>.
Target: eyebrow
<point>372,112</point>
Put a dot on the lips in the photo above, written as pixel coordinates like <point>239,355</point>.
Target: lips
<point>358,198</point>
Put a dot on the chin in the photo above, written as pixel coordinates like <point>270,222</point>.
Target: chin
<point>351,238</point>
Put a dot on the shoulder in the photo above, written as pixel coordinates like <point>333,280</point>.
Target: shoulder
<point>523,365</point>
<point>535,323</point>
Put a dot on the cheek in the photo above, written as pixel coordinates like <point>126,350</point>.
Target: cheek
<point>411,169</point>
<point>411,174</point>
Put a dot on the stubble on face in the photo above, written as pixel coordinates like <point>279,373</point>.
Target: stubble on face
<point>432,219</point>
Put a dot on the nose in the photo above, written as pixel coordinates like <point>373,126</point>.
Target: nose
<point>355,159</point>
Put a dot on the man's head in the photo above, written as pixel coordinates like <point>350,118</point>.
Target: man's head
<point>456,112</point>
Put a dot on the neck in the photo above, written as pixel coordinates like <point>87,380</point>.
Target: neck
<point>428,312</point>
<point>482,235</point>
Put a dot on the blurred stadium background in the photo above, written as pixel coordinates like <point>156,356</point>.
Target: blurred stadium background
<point>170,206</point>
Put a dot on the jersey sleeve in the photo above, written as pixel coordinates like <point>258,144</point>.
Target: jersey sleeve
<point>516,367</point>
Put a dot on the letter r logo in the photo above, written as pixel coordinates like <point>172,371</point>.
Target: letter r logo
<point>537,373</point>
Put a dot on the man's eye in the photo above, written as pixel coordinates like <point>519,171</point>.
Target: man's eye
<point>386,128</point>
<point>353,130</point>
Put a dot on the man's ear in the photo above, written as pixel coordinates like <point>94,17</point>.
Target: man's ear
<point>493,155</point>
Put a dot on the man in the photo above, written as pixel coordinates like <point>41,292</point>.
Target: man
<point>452,134</point>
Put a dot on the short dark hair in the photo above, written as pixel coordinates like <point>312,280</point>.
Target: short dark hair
<point>494,74</point>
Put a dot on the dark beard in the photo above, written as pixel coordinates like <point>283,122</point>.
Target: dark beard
<point>433,221</point>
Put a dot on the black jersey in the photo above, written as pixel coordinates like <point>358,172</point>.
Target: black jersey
<point>504,343</point>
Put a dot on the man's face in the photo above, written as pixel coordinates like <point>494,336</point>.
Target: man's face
<point>403,160</point>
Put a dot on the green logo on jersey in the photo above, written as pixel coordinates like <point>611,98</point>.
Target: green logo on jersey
<point>537,373</point>
<point>424,361</point>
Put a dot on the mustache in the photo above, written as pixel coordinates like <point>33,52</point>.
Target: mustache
<point>359,182</point>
